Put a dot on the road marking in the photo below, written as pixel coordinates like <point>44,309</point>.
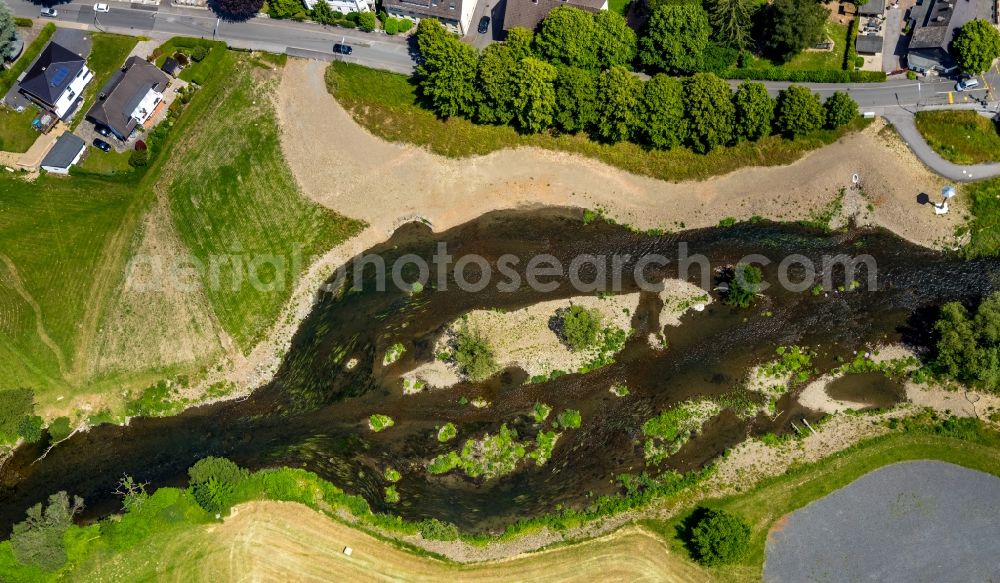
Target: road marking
<point>951,98</point>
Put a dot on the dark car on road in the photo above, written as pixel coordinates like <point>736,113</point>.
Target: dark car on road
<point>484,24</point>
<point>343,49</point>
<point>102,145</point>
<point>103,130</point>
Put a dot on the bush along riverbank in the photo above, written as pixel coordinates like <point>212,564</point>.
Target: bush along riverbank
<point>48,546</point>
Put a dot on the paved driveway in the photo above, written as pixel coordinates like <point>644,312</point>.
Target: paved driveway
<point>892,47</point>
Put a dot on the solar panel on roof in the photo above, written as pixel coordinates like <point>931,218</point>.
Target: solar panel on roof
<point>59,76</point>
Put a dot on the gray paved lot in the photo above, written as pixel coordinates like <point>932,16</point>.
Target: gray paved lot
<point>909,522</point>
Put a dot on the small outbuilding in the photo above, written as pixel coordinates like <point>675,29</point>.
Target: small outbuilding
<point>872,8</point>
<point>64,154</point>
<point>868,44</point>
<point>171,67</point>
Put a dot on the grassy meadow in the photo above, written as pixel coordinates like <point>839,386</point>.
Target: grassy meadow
<point>65,241</point>
<point>386,104</point>
<point>960,136</point>
<point>234,200</point>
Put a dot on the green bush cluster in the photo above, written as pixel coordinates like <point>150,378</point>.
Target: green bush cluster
<point>719,537</point>
<point>392,25</point>
<point>744,286</point>
<point>580,327</point>
<point>474,355</point>
<point>968,345</point>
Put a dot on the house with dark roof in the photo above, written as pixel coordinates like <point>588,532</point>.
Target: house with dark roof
<point>56,80</point>
<point>529,13</point>
<point>455,15</point>
<point>872,8</point>
<point>868,44</point>
<point>64,153</point>
<point>129,98</point>
<point>934,25</point>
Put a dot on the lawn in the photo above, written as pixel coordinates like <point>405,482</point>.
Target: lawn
<point>55,232</point>
<point>962,137</point>
<point>386,104</point>
<point>107,163</point>
<point>984,203</point>
<point>619,6</point>
<point>107,56</point>
<point>234,200</point>
<point>199,73</point>
<point>816,60</point>
<point>16,133</point>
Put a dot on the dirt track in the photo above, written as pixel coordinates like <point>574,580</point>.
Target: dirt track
<point>342,166</point>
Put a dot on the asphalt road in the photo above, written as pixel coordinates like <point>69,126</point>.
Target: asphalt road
<point>371,49</point>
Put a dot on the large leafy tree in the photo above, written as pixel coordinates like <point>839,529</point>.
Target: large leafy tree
<point>495,79</point>
<point>615,42</point>
<point>534,95</point>
<point>567,36</point>
<point>840,110</point>
<point>663,124</point>
<point>968,347</point>
<point>976,46</point>
<point>798,111</point>
<point>732,21</point>
<point>793,25</point>
<point>720,537</point>
<point>38,540</point>
<point>708,106</point>
<point>576,99</point>
<point>237,10</point>
<point>322,13</point>
<point>676,38</point>
<point>519,40</point>
<point>8,31</point>
<point>448,72</point>
<point>618,104</point>
<point>754,110</point>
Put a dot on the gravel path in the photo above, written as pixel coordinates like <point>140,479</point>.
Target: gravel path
<point>908,522</point>
<point>905,124</point>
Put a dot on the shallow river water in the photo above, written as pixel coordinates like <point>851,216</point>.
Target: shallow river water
<point>314,413</point>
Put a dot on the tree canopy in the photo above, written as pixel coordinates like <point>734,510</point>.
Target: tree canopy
<point>576,99</point>
<point>578,38</point>
<point>237,10</point>
<point>719,537</point>
<point>676,38</point>
<point>798,111</point>
<point>448,72</point>
<point>793,25</point>
<point>581,327</point>
<point>618,100</point>
<point>754,110</point>
<point>38,540</point>
<point>976,46</point>
<point>8,31</point>
<point>534,95</point>
<point>664,126</point>
<point>968,346</point>
<point>840,110</point>
<point>732,21</point>
<point>708,106</point>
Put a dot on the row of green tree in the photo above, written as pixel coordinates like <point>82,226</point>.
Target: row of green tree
<point>521,82</point>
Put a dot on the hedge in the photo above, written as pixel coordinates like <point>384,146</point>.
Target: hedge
<point>23,22</point>
<point>815,76</point>
<point>850,55</point>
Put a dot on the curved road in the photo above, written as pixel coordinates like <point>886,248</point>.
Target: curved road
<point>905,124</point>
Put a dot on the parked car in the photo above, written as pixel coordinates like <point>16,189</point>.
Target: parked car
<point>343,49</point>
<point>484,24</point>
<point>102,129</point>
<point>967,84</point>
<point>49,12</point>
<point>102,8</point>
<point>102,145</point>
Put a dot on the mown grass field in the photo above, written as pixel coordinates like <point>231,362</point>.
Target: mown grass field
<point>107,55</point>
<point>962,137</point>
<point>386,104</point>
<point>68,240</point>
<point>55,232</point>
<point>235,202</point>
